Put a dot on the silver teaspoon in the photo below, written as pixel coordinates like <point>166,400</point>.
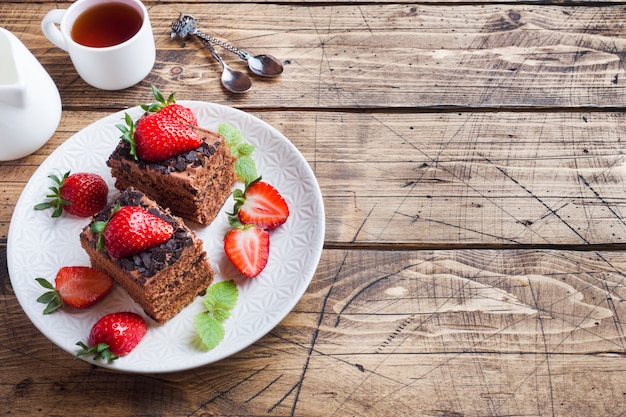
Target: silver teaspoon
<point>232,80</point>
<point>263,65</point>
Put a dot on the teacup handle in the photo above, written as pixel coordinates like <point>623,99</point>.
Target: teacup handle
<point>51,30</point>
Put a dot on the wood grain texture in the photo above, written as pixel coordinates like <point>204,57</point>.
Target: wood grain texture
<point>473,333</point>
<point>430,180</point>
<point>470,157</point>
<point>377,56</point>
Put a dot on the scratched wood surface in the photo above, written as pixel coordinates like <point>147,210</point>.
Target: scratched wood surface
<point>402,333</point>
<point>390,56</point>
<point>470,158</point>
<point>451,179</point>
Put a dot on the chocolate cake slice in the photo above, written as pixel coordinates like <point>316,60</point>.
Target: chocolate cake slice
<point>193,185</point>
<point>163,279</point>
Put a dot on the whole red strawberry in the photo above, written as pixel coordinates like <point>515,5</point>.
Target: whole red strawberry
<point>261,204</point>
<point>169,108</point>
<point>75,286</point>
<point>114,335</point>
<point>178,112</point>
<point>82,194</point>
<point>164,132</point>
<point>158,137</point>
<point>131,230</point>
<point>248,249</point>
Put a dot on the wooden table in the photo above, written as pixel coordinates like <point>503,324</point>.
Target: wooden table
<point>471,160</point>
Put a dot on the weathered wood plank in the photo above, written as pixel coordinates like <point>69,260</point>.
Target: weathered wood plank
<point>148,3</point>
<point>483,56</point>
<point>441,180</point>
<point>470,333</point>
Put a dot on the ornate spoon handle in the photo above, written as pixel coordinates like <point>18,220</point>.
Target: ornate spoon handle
<point>242,54</point>
<point>263,65</point>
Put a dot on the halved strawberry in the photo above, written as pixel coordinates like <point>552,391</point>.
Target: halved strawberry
<point>114,335</point>
<point>248,248</point>
<point>82,194</point>
<point>75,286</point>
<point>131,230</point>
<point>261,204</point>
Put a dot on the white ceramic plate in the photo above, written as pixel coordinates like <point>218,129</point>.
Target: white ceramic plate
<point>39,245</point>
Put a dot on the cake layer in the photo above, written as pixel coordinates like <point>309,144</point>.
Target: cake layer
<point>163,279</point>
<point>193,185</point>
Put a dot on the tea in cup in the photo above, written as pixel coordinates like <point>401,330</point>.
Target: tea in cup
<point>110,42</point>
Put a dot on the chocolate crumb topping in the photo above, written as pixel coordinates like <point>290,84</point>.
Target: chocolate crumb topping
<point>155,259</point>
<point>191,159</point>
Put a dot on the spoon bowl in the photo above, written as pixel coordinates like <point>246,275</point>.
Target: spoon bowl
<point>233,80</point>
<point>265,65</point>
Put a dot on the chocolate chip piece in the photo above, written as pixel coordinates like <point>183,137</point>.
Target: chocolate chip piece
<point>180,166</point>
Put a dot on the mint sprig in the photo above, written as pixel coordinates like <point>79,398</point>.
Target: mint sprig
<point>220,298</point>
<point>245,167</point>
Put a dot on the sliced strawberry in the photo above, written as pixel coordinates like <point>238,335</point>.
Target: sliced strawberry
<point>131,230</point>
<point>75,286</point>
<point>114,335</point>
<point>261,204</point>
<point>248,249</point>
<point>82,194</point>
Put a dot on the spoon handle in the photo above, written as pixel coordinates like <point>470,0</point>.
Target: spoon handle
<point>212,50</point>
<point>208,38</point>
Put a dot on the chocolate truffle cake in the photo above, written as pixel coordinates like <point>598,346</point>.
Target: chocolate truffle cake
<point>163,279</point>
<point>193,185</point>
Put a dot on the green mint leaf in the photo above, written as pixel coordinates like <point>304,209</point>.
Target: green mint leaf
<point>209,303</point>
<point>221,314</point>
<point>219,299</point>
<point>232,135</point>
<point>244,149</point>
<point>245,169</point>
<point>224,294</point>
<point>210,330</point>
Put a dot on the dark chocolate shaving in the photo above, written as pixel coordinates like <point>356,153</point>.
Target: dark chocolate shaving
<point>191,159</point>
<point>155,259</point>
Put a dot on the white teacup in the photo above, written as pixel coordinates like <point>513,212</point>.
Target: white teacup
<point>108,64</point>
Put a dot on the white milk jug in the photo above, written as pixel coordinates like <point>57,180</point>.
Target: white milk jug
<point>30,104</point>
